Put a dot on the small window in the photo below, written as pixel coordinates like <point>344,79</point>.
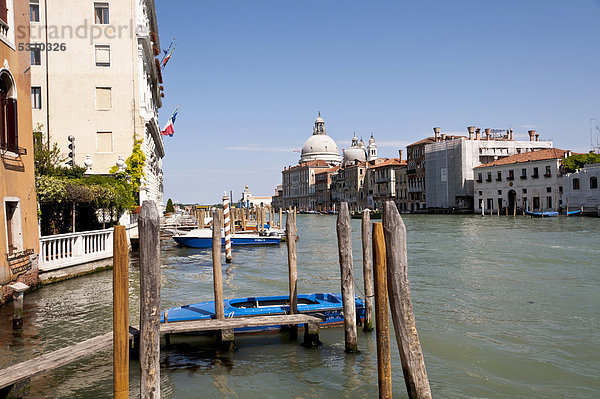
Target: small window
<point>36,56</point>
<point>102,55</point>
<point>548,172</point>
<point>34,11</point>
<point>479,178</point>
<point>104,142</point>
<point>499,176</point>
<point>511,175</point>
<point>36,97</point>
<point>575,184</point>
<point>101,13</point>
<point>536,173</point>
<point>549,202</point>
<point>524,191</point>
<point>103,98</point>
<point>548,189</point>
<point>499,192</point>
<point>480,193</point>
<point>593,182</point>
<point>523,173</point>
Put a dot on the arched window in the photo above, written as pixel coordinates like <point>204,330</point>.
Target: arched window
<point>593,182</point>
<point>575,184</point>
<point>9,137</point>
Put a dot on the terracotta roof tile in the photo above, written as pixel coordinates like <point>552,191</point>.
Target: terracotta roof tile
<point>530,156</point>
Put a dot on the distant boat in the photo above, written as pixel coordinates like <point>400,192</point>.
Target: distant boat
<point>358,215</point>
<point>202,238</point>
<point>574,213</point>
<point>327,306</point>
<point>542,214</point>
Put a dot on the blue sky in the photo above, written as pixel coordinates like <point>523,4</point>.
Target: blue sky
<point>251,76</point>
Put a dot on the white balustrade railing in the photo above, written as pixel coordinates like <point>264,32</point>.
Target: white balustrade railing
<point>66,250</point>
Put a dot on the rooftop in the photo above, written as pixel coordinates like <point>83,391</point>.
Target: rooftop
<point>530,156</point>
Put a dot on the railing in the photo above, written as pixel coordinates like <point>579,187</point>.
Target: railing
<point>66,250</point>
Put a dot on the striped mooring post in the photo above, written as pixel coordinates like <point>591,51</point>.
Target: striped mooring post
<point>227,218</point>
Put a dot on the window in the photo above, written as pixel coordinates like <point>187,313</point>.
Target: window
<point>511,175</point>
<point>104,142</point>
<point>575,184</point>
<point>536,202</point>
<point>548,189</point>
<point>480,193</point>
<point>499,192</point>
<point>489,177</point>
<point>523,173</point>
<point>479,178</point>
<point>524,191</point>
<point>548,172</point>
<point>102,55</point>
<point>103,98</point>
<point>499,176</point>
<point>36,56</point>
<point>9,137</point>
<point>36,97</point>
<point>101,13</point>
<point>34,11</point>
<point>549,202</point>
<point>593,182</point>
<point>536,173</point>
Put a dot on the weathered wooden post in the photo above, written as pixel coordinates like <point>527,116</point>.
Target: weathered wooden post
<point>225,337</point>
<point>280,218</point>
<point>290,231</point>
<point>567,212</point>
<point>148,224</point>
<point>367,269</point>
<point>344,234</point>
<point>120,313</point>
<point>227,228</point>
<point>411,355</point>
<point>19,289</point>
<point>382,318</point>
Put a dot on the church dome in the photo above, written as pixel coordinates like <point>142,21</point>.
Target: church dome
<point>356,152</point>
<point>320,146</point>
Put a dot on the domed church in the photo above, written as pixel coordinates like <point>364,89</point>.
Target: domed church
<point>320,146</point>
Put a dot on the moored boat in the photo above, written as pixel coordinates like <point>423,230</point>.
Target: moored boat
<point>202,238</point>
<point>327,306</point>
<point>542,214</point>
<point>358,214</point>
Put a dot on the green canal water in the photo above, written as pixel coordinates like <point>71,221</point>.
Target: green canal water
<point>505,307</point>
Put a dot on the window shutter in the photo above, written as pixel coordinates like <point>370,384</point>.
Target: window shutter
<point>12,135</point>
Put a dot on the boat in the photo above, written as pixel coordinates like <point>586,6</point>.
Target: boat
<point>202,238</point>
<point>544,214</point>
<point>358,215</point>
<point>574,213</point>
<point>326,306</point>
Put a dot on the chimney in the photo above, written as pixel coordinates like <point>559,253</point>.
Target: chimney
<point>444,137</point>
<point>400,155</point>
<point>531,135</point>
<point>537,137</point>
<point>510,134</point>
<point>436,131</point>
<point>487,133</point>
<point>471,130</point>
<point>477,134</point>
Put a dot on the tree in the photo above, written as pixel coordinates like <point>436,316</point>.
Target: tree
<point>578,161</point>
<point>170,208</point>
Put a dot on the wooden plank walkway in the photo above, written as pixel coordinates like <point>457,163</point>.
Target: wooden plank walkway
<point>64,356</point>
<point>238,322</point>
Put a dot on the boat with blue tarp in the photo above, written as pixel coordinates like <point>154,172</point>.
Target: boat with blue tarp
<point>202,238</point>
<point>326,306</point>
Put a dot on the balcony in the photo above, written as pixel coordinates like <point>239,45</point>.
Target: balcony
<point>510,178</point>
<point>535,176</point>
<point>479,180</point>
<point>547,174</point>
<point>523,177</point>
<point>498,179</point>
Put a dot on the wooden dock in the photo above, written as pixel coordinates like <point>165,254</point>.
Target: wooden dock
<point>64,356</point>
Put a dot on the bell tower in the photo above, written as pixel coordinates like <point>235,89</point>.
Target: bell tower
<point>371,149</point>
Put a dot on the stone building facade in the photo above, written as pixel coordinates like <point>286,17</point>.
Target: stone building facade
<point>531,180</point>
<point>107,66</point>
<point>19,240</point>
<point>581,190</point>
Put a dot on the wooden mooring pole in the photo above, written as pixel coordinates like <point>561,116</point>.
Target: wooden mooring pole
<point>225,337</point>
<point>367,269</point>
<point>120,314</point>
<point>411,355</point>
<point>290,231</point>
<point>344,235</point>
<point>382,317</point>
<point>148,224</point>
<point>227,228</point>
